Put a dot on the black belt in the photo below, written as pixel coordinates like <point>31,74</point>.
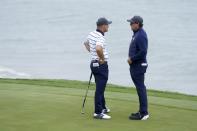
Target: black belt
<point>94,61</point>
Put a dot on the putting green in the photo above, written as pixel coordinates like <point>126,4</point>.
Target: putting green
<point>30,105</point>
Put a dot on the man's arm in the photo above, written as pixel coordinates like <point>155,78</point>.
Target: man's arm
<point>142,44</point>
<point>86,43</point>
<point>99,51</point>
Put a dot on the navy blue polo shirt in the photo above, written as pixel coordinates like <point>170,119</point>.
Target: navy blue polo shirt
<point>138,47</point>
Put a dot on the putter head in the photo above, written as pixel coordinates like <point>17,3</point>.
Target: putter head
<point>82,111</point>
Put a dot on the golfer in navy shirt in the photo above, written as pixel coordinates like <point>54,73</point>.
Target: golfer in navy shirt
<point>138,65</point>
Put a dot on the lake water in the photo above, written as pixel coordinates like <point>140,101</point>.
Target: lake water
<point>43,39</point>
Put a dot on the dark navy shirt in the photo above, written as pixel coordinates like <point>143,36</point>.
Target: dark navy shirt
<point>138,47</point>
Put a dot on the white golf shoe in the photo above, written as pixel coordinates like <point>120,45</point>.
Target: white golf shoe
<point>105,111</point>
<point>102,116</point>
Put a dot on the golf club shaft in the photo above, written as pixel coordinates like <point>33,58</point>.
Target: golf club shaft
<point>83,105</point>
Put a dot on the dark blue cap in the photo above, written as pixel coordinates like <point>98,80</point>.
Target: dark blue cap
<point>136,19</point>
<point>103,21</point>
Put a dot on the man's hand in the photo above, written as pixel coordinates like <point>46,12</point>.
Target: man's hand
<point>129,61</point>
<point>101,61</point>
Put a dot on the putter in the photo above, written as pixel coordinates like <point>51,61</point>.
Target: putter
<point>84,101</point>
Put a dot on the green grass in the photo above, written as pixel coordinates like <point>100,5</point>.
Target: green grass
<point>55,105</point>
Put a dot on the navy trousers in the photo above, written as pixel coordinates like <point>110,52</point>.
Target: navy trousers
<point>101,76</point>
<point>137,72</point>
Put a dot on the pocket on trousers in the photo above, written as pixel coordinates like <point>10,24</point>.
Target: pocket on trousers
<point>103,67</point>
<point>138,69</point>
<point>94,67</point>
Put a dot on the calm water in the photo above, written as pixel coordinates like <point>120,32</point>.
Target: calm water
<point>43,39</point>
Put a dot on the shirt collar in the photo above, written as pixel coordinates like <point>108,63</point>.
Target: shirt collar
<point>100,32</point>
<point>137,31</point>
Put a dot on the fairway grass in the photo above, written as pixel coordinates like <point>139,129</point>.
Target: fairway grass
<point>55,105</point>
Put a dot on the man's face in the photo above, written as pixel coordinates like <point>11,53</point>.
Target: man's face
<point>134,26</point>
<point>105,28</point>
